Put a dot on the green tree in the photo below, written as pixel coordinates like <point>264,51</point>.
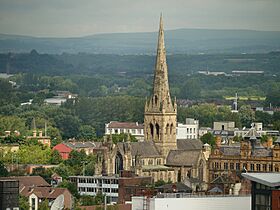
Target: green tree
<point>71,187</point>
<point>86,132</point>
<point>44,205</point>
<point>3,170</point>
<point>12,123</point>
<point>68,125</point>
<point>23,203</point>
<point>87,200</point>
<point>191,89</point>
<point>208,138</point>
<point>55,157</point>
<point>247,115</point>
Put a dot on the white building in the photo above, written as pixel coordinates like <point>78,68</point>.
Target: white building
<point>189,202</point>
<point>188,130</point>
<point>204,130</point>
<point>91,185</point>
<point>134,128</point>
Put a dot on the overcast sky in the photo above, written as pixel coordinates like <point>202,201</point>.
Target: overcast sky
<point>68,18</point>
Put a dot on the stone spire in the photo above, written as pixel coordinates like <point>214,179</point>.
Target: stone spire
<point>160,113</point>
<point>161,95</point>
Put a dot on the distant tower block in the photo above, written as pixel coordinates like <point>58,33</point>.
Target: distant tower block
<point>234,104</point>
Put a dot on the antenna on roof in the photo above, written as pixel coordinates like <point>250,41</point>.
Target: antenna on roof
<point>58,203</point>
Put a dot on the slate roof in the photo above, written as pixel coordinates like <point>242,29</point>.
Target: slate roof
<point>143,149</point>
<point>189,144</point>
<point>28,181</point>
<point>259,151</point>
<point>179,187</point>
<point>81,145</point>
<point>44,192</point>
<point>129,125</point>
<point>230,150</point>
<point>182,157</point>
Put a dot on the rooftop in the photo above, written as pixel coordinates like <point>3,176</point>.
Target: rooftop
<point>268,179</point>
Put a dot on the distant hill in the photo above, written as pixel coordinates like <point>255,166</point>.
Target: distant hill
<point>177,41</point>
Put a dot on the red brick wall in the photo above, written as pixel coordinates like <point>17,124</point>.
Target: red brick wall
<point>275,199</point>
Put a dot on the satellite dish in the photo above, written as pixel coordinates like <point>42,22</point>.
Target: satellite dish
<point>58,203</point>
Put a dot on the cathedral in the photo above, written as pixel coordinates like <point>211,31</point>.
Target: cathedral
<point>160,155</point>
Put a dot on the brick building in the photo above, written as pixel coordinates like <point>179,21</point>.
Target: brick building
<point>226,162</point>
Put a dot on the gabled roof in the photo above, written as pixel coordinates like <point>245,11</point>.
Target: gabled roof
<point>144,149</point>
<point>268,179</point>
<point>179,187</point>
<point>128,125</point>
<point>28,181</point>
<point>252,133</point>
<point>189,144</point>
<point>183,157</point>
<point>44,192</point>
<point>81,145</point>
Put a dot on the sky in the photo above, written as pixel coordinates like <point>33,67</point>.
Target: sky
<point>72,18</point>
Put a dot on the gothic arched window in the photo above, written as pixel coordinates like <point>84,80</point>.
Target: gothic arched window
<point>167,129</point>
<point>152,129</point>
<point>157,130</point>
<point>171,129</point>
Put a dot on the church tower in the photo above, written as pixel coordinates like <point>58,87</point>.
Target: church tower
<point>160,113</point>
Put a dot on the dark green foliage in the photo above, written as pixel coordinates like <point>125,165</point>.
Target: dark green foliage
<point>3,170</point>
<point>55,157</point>
<point>23,203</point>
<point>208,138</point>
<point>43,172</point>
<point>71,187</point>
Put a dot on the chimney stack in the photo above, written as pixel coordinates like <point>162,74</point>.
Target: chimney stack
<point>40,133</point>
<point>34,133</point>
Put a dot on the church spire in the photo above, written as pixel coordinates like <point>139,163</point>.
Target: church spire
<point>160,113</point>
<point>161,87</point>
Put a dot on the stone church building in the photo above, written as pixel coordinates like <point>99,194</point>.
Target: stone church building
<point>160,155</point>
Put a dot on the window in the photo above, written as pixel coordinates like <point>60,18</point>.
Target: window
<point>258,166</point>
<point>133,131</point>
<point>151,162</point>
<point>237,166</point>
<point>190,130</point>
<point>244,166</point>
<point>231,166</point>
<point>264,167</point>
<point>270,167</point>
<point>33,203</point>
<point>187,130</point>
<point>225,166</point>
<point>116,131</point>
<point>252,167</point>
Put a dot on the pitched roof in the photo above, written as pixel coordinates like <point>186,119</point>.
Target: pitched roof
<point>230,150</point>
<point>268,179</point>
<point>189,144</point>
<point>28,181</point>
<point>143,149</point>
<point>182,157</point>
<point>178,187</point>
<point>130,125</point>
<point>81,145</point>
<point>252,133</point>
<point>44,192</point>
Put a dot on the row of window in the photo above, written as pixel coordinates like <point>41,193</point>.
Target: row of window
<point>251,167</point>
<point>132,131</point>
<point>95,190</point>
<point>191,130</point>
<point>98,181</point>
